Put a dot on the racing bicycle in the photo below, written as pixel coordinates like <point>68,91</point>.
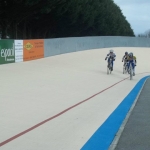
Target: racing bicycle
<point>130,71</point>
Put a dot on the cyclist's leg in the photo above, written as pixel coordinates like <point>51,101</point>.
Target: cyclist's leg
<point>133,66</point>
<point>125,66</point>
<point>129,62</point>
<point>112,65</point>
<point>109,61</point>
<point>125,61</point>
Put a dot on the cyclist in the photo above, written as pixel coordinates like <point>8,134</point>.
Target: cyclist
<point>132,60</point>
<point>125,58</point>
<point>112,55</point>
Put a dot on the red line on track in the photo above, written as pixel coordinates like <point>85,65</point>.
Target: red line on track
<point>62,112</point>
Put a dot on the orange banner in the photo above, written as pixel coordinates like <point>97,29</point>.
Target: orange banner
<point>33,49</point>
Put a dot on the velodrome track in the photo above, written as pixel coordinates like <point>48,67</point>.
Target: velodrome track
<point>58,102</point>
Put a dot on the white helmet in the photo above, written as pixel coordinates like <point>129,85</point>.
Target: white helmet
<point>111,51</point>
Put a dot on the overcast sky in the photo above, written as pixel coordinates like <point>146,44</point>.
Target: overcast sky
<point>137,13</point>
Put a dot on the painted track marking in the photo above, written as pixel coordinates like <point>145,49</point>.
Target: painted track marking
<point>55,116</point>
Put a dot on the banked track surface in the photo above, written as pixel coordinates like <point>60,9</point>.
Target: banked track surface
<point>45,87</point>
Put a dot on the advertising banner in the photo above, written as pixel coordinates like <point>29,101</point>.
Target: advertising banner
<point>7,51</point>
<point>18,50</point>
<point>33,49</point>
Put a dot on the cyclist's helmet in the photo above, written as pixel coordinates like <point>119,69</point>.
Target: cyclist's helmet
<point>111,51</point>
<point>131,54</point>
<point>126,53</point>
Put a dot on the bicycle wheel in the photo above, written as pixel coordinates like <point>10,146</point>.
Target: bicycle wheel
<point>110,68</point>
<point>126,68</point>
<point>131,72</point>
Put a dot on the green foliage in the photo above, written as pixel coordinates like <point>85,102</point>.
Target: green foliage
<point>62,18</point>
<point>146,34</point>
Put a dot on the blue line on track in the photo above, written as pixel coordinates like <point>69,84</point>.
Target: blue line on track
<point>105,134</point>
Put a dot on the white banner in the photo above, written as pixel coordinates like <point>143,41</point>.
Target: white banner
<point>18,50</point>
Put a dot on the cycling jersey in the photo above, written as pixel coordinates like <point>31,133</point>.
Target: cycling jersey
<point>131,58</point>
<point>125,58</point>
<point>111,55</point>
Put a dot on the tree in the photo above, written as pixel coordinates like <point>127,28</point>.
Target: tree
<point>61,18</point>
<point>146,34</point>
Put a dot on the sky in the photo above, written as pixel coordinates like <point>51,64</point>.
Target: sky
<point>137,13</point>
